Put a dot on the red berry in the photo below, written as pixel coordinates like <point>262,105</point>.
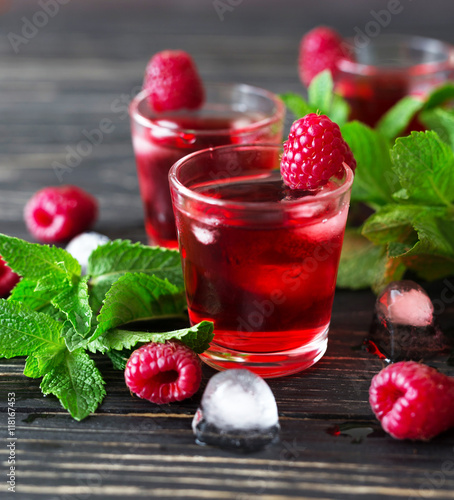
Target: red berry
<point>412,400</point>
<point>56,214</point>
<point>173,82</point>
<point>8,279</point>
<point>163,373</point>
<point>320,49</point>
<point>314,152</point>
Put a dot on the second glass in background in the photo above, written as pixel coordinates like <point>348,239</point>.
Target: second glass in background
<point>388,68</point>
<point>231,114</point>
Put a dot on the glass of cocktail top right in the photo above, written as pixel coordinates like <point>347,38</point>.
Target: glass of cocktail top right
<point>380,71</point>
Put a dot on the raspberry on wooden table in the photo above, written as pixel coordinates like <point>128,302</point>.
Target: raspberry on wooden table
<point>173,82</point>
<point>320,49</point>
<point>8,279</point>
<point>57,214</point>
<point>314,152</point>
<point>163,373</point>
<point>412,400</point>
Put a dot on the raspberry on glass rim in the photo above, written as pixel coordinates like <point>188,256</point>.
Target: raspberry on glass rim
<point>314,152</point>
<point>320,49</point>
<point>173,82</point>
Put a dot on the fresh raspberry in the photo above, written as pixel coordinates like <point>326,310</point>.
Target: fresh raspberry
<point>320,49</point>
<point>173,82</point>
<point>163,373</point>
<point>56,214</point>
<point>314,152</point>
<point>412,400</point>
<point>8,279</point>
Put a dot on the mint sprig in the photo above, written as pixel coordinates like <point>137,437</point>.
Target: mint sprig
<point>403,185</point>
<point>57,318</point>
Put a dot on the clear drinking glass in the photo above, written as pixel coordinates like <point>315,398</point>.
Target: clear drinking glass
<point>388,68</point>
<point>259,260</point>
<point>232,114</point>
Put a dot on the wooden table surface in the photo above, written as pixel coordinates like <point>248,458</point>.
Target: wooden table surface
<point>62,73</point>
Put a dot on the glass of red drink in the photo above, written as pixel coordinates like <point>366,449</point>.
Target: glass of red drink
<point>232,114</point>
<point>259,259</point>
<point>388,68</point>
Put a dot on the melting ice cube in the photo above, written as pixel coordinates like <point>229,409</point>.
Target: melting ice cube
<point>238,410</point>
<point>82,245</point>
<point>404,326</point>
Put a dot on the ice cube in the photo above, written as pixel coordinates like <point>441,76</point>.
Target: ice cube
<point>238,410</point>
<point>82,245</point>
<point>404,326</point>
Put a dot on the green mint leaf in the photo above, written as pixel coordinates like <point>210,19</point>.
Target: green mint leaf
<point>440,121</point>
<point>73,339</point>
<point>396,120</point>
<point>197,337</point>
<point>339,110</point>
<point>296,104</point>
<point>34,261</point>
<point>439,96</point>
<point>425,166</point>
<point>436,236</point>
<point>25,293</point>
<point>111,261</point>
<point>375,180</point>
<point>77,383</point>
<point>320,91</point>
<point>139,297</point>
<point>24,331</point>
<point>119,358</point>
<point>73,301</point>
<point>362,263</point>
<point>392,223</point>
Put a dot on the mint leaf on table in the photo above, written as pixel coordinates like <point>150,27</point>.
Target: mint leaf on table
<point>425,166</point>
<point>197,338</point>
<point>395,121</point>
<point>24,332</point>
<point>139,297</point>
<point>49,317</point>
<point>111,261</point>
<point>77,383</point>
<point>375,181</point>
<point>35,261</point>
<point>25,293</point>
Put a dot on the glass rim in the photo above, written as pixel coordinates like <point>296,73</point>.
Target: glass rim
<point>277,116</point>
<point>346,65</point>
<point>248,205</point>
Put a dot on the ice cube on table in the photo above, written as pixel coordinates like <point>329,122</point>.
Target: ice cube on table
<point>404,326</point>
<point>83,245</point>
<point>238,410</point>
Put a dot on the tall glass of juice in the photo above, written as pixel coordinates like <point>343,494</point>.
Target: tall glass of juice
<point>231,114</point>
<point>259,260</point>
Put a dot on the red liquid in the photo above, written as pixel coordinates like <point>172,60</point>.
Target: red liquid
<point>267,286</point>
<point>170,138</point>
<point>371,96</point>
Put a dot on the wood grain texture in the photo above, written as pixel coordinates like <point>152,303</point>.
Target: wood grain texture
<point>82,67</point>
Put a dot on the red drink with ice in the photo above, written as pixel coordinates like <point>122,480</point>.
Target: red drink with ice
<point>259,259</point>
<point>232,114</point>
